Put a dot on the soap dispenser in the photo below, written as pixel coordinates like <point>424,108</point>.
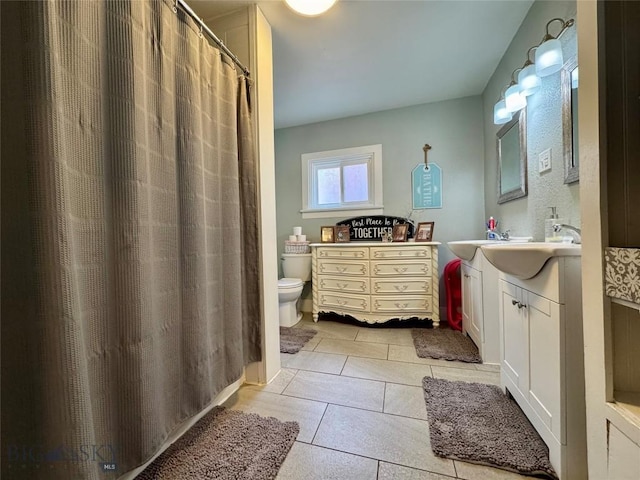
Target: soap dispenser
<point>549,234</point>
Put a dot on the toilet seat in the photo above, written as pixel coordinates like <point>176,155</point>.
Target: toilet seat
<point>289,283</point>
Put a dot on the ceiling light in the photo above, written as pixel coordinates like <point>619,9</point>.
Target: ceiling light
<point>310,8</point>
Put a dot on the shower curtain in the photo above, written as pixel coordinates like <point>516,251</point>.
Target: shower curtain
<point>130,269</point>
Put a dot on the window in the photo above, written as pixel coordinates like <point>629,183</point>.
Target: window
<point>348,181</point>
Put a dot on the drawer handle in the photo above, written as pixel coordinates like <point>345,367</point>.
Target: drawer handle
<point>342,287</point>
<point>401,306</point>
<point>378,254</point>
<point>468,276</point>
<point>400,269</point>
<point>421,253</point>
<point>342,303</point>
<point>341,268</point>
<point>400,288</point>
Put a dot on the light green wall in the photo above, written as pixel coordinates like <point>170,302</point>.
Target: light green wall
<point>525,216</point>
<point>454,130</point>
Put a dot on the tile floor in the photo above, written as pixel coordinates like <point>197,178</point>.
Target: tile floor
<point>356,394</point>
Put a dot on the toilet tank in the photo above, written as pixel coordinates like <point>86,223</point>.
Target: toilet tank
<point>297,265</point>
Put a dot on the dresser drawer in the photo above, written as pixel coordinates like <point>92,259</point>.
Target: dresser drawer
<point>407,286</point>
<point>343,252</point>
<point>388,268</point>
<point>401,304</point>
<point>343,267</point>
<point>400,252</point>
<point>342,284</point>
<point>341,301</point>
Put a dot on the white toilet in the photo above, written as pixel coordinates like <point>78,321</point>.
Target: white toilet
<point>297,271</point>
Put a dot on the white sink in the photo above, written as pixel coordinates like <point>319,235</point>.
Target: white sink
<point>525,260</point>
<point>466,249</point>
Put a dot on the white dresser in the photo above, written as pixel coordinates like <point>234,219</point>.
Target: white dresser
<point>375,281</point>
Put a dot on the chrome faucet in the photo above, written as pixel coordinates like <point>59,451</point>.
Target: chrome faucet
<point>493,235</point>
<point>575,232</point>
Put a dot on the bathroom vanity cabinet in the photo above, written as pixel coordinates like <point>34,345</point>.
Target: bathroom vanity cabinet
<point>542,358</point>
<point>376,282</point>
<point>479,308</point>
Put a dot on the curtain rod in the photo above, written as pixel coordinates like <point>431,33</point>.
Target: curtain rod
<point>213,36</point>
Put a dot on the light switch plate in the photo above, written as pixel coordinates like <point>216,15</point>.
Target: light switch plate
<point>544,161</point>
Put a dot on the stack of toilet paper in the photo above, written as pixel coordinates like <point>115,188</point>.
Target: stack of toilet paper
<point>297,235</point>
<point>297,242</point>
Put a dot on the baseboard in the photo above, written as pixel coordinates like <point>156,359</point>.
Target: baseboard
<point>222,397</point>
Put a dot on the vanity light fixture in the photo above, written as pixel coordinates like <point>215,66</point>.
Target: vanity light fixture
<point>548,60</point>
<point>500,113</point>
<point>310,8</point>
<point>527,79</point>
<point>549,54</point>
<point>514,98</point>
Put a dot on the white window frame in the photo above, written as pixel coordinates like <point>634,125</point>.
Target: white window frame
<point>344,156</point>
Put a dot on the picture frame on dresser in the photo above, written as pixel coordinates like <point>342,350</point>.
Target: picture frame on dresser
<point>328,234</point>
<point>400,232</point>
<point>424,231</point>
<point>343,233</point>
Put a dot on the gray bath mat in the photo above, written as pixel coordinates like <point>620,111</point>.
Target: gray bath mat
<point>446,344</point>
<point>226,444</point>
<point>478,423</point>
<point>293,339</point>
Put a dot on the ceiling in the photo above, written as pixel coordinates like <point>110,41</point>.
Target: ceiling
<point>365,56</point>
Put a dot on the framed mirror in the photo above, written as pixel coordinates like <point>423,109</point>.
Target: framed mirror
<point>512,158</point>
<point>569,79</point>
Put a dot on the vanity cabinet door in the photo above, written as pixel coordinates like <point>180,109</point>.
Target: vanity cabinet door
<point>515,336</point>
<point>472,315</point>
<point>545,362</point>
